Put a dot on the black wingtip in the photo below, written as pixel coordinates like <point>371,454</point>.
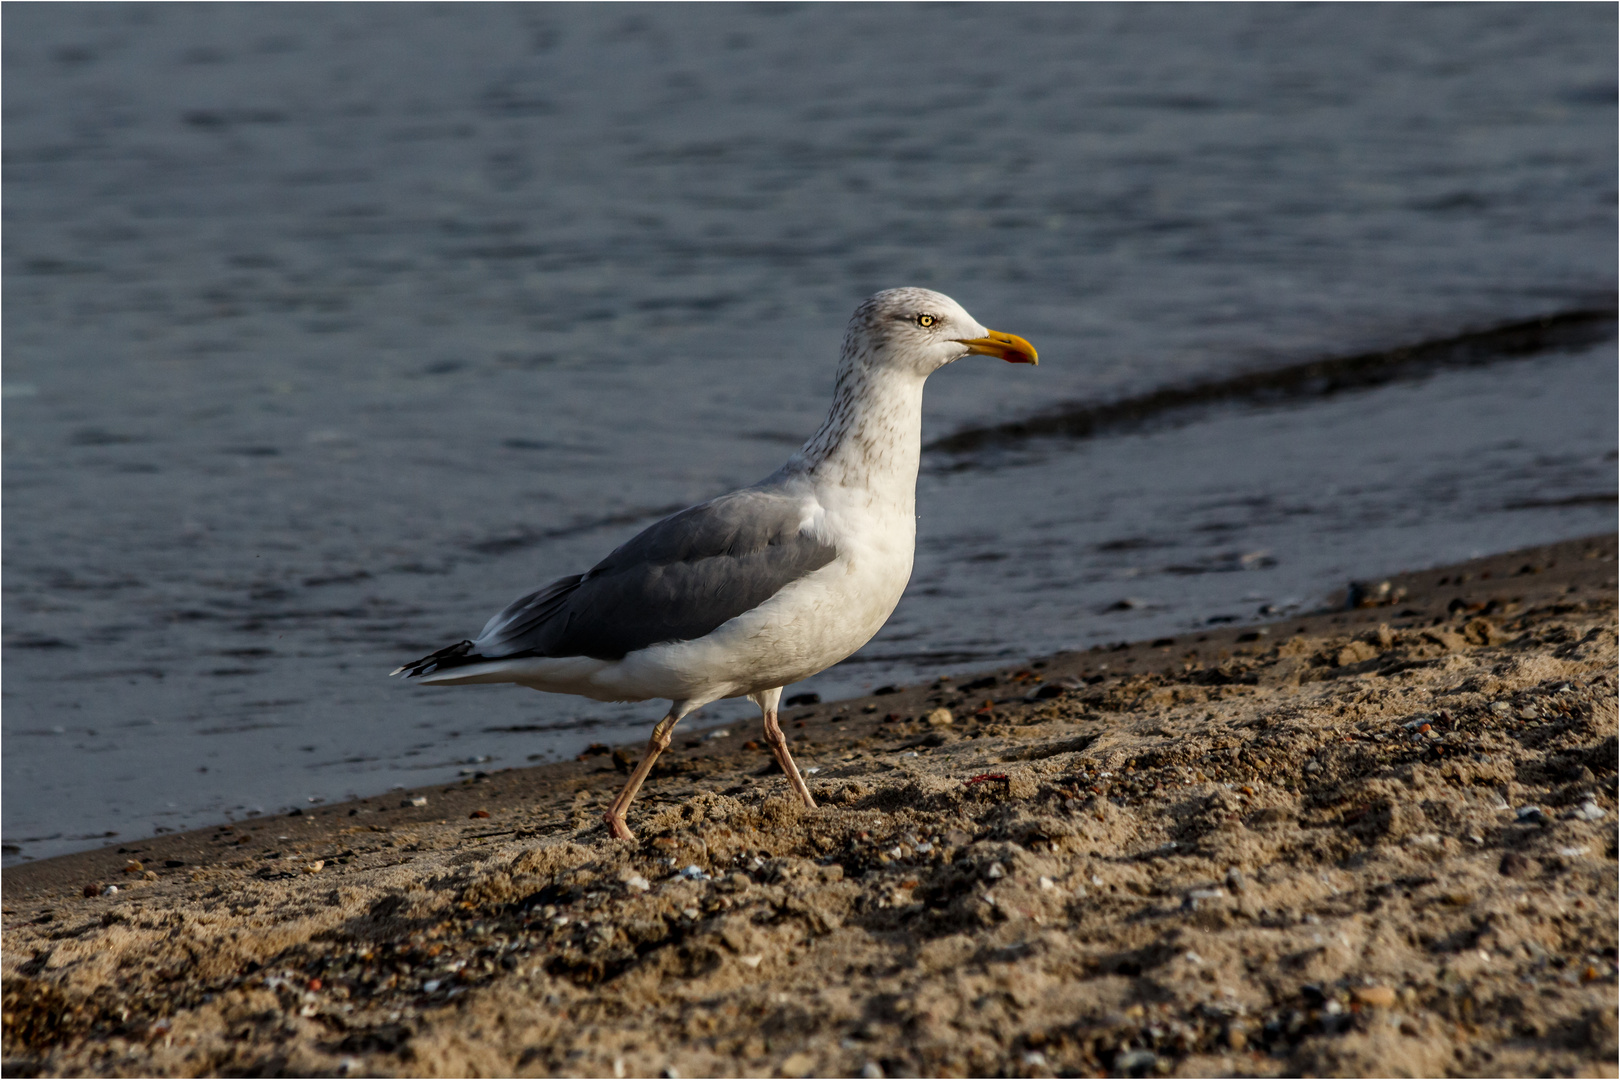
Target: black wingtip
<point>450,656</point>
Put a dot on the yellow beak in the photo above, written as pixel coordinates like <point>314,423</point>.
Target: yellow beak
<point>1010,347</point>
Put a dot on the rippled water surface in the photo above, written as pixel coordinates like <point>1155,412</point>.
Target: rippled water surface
<point>330,329</point>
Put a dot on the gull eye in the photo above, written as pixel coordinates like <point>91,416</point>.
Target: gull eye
<point>926,320</point>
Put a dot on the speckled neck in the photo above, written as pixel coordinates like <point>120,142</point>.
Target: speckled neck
<point>872,438</point>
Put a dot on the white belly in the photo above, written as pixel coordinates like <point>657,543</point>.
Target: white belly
<point>807,627</point>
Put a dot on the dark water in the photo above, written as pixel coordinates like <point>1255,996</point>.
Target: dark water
<point>330,329</point>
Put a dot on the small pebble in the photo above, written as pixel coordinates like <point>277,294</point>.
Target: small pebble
<point>637,883</point>
<point>1235,880</point>
<point>1377,997</point>
<point>479,814</point>
<point>415,800</point>
<point>1530,815</point>
<point>694,873</point>
<point>752,961</point>
<point>1590,811</point>
<point>718,733</point>
<point>995,871</point>
<point>1374,996</point>
<point>812,770</point>
<point>872,1071</point>
<point>1133,1060</point>
<point>111,890</point>
<point>924,848</point>
<point>133,866</point>
<point>1047,884</point>
<point>315,867</point>
<point>1516,865</point>
<point>940,718</point>
<point>430,986</point>
<point>1034,1057</point>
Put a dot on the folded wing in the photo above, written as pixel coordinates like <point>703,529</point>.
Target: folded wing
<point>677,581</point>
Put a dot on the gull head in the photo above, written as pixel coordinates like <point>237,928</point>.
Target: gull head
<point>920,331</point>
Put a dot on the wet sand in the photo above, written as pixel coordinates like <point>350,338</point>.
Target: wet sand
<point>1377,841</point>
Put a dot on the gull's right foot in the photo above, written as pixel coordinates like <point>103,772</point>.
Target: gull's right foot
<point>617,827</point>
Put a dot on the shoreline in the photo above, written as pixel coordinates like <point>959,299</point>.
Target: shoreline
<point>1190,888</point>
<point>1203,646</point>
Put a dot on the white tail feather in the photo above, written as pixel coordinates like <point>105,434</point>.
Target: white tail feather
<point>496,671</point>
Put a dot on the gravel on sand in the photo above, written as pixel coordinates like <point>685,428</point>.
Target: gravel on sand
<point>1375,841</point>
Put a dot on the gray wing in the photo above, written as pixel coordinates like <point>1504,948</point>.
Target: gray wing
<point>678,580</point>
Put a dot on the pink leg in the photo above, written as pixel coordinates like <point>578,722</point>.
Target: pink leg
<point>779,750</point>
<point>656,745</point>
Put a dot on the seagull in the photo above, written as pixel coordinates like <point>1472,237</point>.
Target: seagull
<point>759,588</point>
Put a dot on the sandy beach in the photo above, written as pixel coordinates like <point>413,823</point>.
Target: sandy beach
<point>1372,841</point>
